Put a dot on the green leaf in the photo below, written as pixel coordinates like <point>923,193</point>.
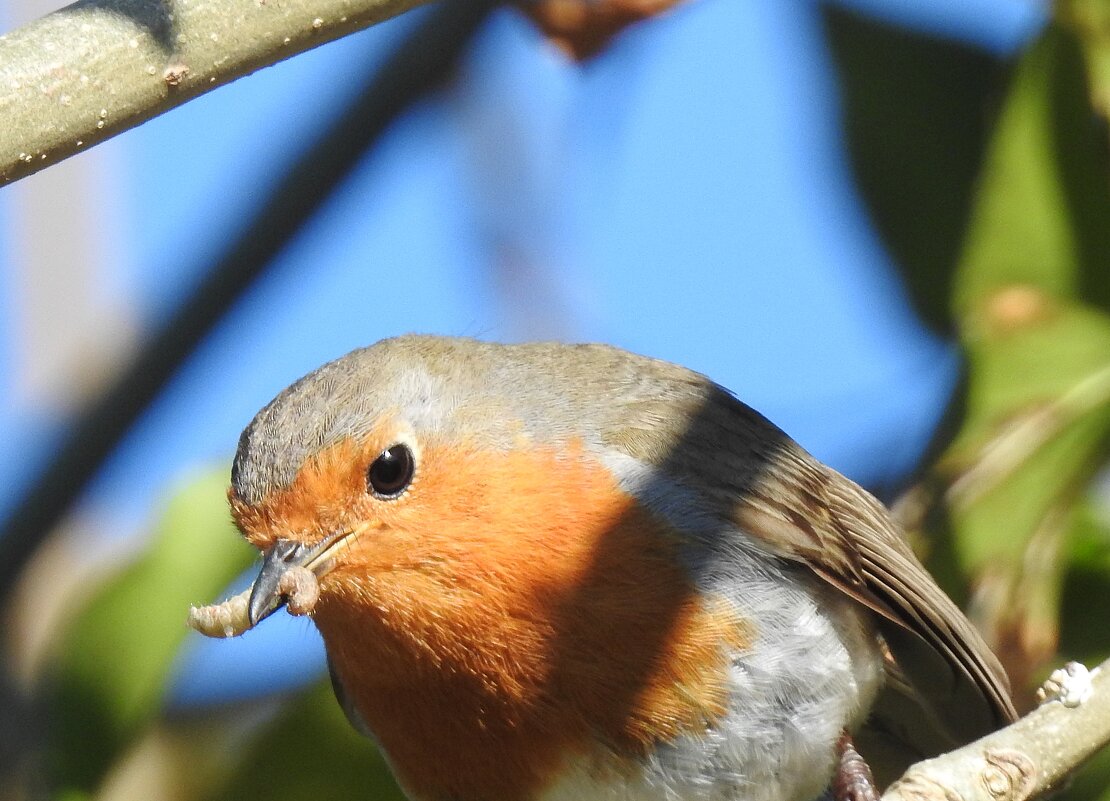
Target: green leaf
<point>311,751</point>
<point>1037,418</point>
<point>1090,20</point>
<point>108,682</point>
<point>1036,336</point>
<point>1042,211</point>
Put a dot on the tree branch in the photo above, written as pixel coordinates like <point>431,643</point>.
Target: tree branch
<point>1026,759</point>
<point>418,65</point>
<point>98,67</point>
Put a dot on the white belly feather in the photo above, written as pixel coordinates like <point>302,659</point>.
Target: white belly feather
<point>812,671</point>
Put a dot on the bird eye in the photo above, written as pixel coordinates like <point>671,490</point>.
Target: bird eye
<point>391,473</point>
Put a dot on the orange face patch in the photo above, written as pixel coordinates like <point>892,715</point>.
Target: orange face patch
<point>325,496</point>
<point>510,610</point>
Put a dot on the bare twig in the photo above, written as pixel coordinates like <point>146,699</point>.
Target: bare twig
<point>1026,759</point>
<point>98,67</point>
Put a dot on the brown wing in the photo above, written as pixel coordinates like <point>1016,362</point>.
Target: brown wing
<point>852,543</point>
<point>754,474</point>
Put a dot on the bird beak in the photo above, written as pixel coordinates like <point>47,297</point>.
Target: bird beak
<point>266,597</point>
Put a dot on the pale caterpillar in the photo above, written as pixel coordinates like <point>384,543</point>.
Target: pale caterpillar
<point>298,586</point>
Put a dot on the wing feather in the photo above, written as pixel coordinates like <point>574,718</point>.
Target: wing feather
<point>858,548</point>
<point>749,471</point>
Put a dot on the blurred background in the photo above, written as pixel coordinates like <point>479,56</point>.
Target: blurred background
<point>884,224</point>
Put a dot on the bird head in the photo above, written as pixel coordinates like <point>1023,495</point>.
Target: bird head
<point>424,479</point>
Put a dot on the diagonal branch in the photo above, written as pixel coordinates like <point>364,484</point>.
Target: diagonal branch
<point>98,67</point>
<point>1026,759</point>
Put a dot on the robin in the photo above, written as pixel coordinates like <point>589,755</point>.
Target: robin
<point>549,571</point>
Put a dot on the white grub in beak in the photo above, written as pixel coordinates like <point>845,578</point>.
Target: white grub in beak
<point>298,587</point>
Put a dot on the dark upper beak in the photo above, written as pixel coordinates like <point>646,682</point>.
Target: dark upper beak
<point>265,598</point>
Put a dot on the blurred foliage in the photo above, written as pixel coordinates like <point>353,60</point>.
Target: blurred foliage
<point>990,184</point>
<point>1020,277</point>
<point>311,751</point>
<point>1090,21</point>
<point>108,684</point>
<point>1031,296</point>
<point>110,731</point>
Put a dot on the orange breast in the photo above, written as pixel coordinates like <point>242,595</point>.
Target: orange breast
<point>516,609</point>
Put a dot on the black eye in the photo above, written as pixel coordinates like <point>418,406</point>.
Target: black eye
<point>391,472</point>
